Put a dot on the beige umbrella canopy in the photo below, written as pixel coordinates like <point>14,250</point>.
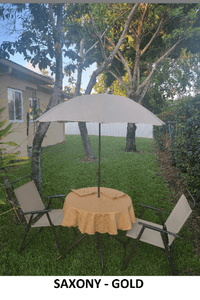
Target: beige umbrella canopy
<point>100,108</point>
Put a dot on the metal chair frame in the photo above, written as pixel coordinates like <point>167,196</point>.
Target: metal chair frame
<point>39,213</point>
<point>169,249</point>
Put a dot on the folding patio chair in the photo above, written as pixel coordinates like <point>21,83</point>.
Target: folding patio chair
<point>34,211</point>
<point>160,235</point>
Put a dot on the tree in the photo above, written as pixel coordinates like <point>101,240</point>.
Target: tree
<point>157,32</point>
<point>41,40</point>
<point>174,79</point>
<point>44,34</point>
<point>96,13</point>
<point>78,33</point>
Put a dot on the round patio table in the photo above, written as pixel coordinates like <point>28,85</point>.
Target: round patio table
<point>111,211</point>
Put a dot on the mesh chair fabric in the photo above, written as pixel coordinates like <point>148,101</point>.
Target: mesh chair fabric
<point>29,198</point>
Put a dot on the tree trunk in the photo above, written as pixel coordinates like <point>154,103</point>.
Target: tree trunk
<point>55,99</point>
<point>130,138</point>
<point>36,155</point>
<point>89,155</point>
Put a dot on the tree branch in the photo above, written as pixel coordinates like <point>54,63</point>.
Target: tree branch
<point>105,32</point>
<point>122,60</point>
<point>117,71</point>
<point>98,36</point>
<point>127,68</point>
<point>138,76</point>
<point>145,10</point>
<point>90,48</point>
<point>142,19</point>
<point>120,79</point>
<point>51,17</point>
<point>79,73</point>
<point>153,37</point>
<point>106,63</point>
<point>136,63</point>
<point>123,35</point>
<point>145,84</point>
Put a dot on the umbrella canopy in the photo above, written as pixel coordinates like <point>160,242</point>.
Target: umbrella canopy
<point>100,108</point>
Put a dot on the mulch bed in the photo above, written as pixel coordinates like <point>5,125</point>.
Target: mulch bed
<point>175,183</point>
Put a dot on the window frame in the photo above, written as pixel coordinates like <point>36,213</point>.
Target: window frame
<point>13,99</point>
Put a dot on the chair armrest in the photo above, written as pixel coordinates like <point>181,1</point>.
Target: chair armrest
<point>12,184</point>
<point>158,229</point>
<point>51,197</point>
<point>36,211</point>
<point>154,208</point>
<point>55,196</point>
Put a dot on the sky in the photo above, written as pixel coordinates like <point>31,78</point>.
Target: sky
<point>19,58</point>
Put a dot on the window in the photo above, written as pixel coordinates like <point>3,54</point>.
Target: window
<point>15,105</point>
<point>33,106</point>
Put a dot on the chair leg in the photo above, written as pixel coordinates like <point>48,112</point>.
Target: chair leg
<point>24,239</point>
<point>133,248</point>
<point>169,252</point>
<point>54,233</point>
<point>171,261</point>
<point>130,254</point>
<point>57,242</point>
<point>69,248</point>
<point>23,245</point>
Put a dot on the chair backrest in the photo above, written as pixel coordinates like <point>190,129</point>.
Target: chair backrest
<point>178,217</point>
<point>29,198</point>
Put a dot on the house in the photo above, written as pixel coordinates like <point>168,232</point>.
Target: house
<point>23,92</point>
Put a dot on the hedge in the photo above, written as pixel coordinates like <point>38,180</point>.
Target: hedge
<point>185,148</point>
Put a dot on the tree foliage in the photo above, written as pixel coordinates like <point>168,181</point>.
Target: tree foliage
<point>39,40</point>
<point>53,29</point>
<point>157,32</point>
<point>174,79</point>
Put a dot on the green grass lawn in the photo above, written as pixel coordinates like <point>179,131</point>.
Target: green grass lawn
<point>62,169</point>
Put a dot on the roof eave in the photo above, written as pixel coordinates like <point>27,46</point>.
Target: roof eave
<point>15,67</point>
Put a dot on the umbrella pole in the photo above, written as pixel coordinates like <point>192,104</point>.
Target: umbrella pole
<point>99,159</point>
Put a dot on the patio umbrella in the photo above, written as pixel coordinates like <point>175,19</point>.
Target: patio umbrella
<point>100,108</point>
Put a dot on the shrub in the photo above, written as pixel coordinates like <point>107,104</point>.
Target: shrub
<point>8,159</point>
<point>185,152</point>
<point>185,149</point>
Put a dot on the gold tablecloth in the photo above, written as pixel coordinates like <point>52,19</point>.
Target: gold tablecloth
<point>111,211</point>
